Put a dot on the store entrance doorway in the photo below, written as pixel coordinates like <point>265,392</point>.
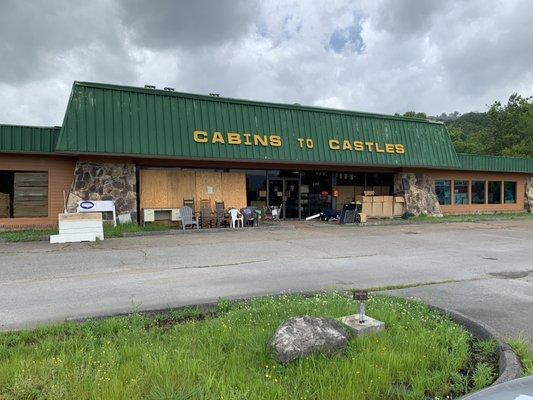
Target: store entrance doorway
<point>285,193</point>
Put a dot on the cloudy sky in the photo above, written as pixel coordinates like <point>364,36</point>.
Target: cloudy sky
<point>383,56</point>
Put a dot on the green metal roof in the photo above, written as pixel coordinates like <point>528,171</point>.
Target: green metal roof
<point>474,162</point>
<point>28,139</point>
<point>120,120</point>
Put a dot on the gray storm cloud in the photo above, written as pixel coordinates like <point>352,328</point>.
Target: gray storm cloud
<point>384,56</point>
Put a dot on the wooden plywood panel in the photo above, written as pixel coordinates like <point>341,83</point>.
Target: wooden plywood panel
<point>234,189</point>
<point>208,186</point>
<point>4,205</point>
<point>160,188</point>
<point>153,188</point>
<point>30,197</point>
<point>182,185</point>
<point>31,179</point>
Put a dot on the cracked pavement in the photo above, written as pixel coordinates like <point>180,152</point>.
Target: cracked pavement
<point>42,283</point>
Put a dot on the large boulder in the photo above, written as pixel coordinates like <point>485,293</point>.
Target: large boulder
<point>298,337</point>
<point>529,194</point>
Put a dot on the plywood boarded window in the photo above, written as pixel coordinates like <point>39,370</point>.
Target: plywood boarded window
<point>162,188</point>
<point>25,194</point>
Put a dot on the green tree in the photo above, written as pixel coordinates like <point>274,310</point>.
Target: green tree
<point>511,127</point>
<point>414,114</point>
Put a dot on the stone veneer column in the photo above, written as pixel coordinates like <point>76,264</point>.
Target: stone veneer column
<point>529,193</point>
<point>419,192</point>
<point>105,181</point>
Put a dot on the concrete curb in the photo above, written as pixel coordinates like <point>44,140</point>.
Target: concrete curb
<point>508,363</point>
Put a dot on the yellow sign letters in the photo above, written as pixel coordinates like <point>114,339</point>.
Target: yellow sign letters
<point>248,139</point>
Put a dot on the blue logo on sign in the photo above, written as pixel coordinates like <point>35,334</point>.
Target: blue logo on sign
<point>86,205</point>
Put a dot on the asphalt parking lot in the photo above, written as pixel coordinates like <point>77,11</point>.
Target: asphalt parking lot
<point>42,283</point>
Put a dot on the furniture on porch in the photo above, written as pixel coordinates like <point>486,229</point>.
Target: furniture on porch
<point>207,218</point>
<point>189,203</point>
<point>160,214</point>
<point>236,216</point>
<point>187,218</point>
<point>222,217</point>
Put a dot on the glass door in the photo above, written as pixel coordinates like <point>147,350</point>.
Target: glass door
<point>291,198</point>
<point>275,193</point>
<point>285,193</point>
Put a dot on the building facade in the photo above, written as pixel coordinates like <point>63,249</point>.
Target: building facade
<point>148,148</point>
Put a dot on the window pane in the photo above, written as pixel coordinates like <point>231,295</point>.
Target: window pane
<point>460,192</point>
<point>315,192</point>
<point>443,190</point>
<point>495,192</point>
<point>256,190</point>
<point>478,192</point>
<point>509,192</point>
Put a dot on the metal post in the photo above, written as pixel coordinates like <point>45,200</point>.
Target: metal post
<point>361,296</point>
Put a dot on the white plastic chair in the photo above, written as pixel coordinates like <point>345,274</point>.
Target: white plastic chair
<point>236,216</point>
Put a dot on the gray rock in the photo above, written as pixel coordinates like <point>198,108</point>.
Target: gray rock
<point>298,337</point>
<point>419,192</point>
<point>529,194</point>
<point>105,181</point>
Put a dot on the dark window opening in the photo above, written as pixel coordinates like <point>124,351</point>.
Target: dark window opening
<point>495,192</point>
<point>443,190</point>
<point>478,192</point>
<point>315,192</point>
<point>460,192</point>
<point>256,188</point>
<point>509,192</point>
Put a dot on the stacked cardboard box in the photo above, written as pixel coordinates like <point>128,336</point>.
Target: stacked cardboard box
<point>381,206</point>
<point>4,205</point>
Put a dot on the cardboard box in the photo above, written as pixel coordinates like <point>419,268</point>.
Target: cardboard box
<point>369,193</point>
<point>399,199</point>
<point>377,209</point>
<point>385,190</point>
<point>367,209</point>
<point>388,198</point>
<point>377,190</point>
<point>387,209</point>
<point>364,199</point>
<point>398,209</point>
<point>377,199</point>
<point>363,217</point>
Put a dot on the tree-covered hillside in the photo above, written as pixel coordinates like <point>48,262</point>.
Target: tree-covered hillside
<point>505,129</point>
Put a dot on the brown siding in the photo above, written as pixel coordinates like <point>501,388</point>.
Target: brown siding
<point>483,176</point>
<point>60,173</point>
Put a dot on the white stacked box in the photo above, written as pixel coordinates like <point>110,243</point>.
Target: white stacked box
<point>79,228</point>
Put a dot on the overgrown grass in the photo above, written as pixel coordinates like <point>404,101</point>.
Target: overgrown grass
<point>524,351</point>
<point>224,355</point>
<point>110,231</point>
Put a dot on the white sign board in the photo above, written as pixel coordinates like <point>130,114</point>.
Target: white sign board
<point>88,206</point>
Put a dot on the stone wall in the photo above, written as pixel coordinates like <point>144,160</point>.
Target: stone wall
<point>419,192</point>
<point>105,181</point>
<point>529,193</point>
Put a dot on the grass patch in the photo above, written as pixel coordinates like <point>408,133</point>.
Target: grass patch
<point>27,235</point>
<point>110,231</point>
<point>524,351</point>
<point>224,355</point>
<point>474,217</point>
